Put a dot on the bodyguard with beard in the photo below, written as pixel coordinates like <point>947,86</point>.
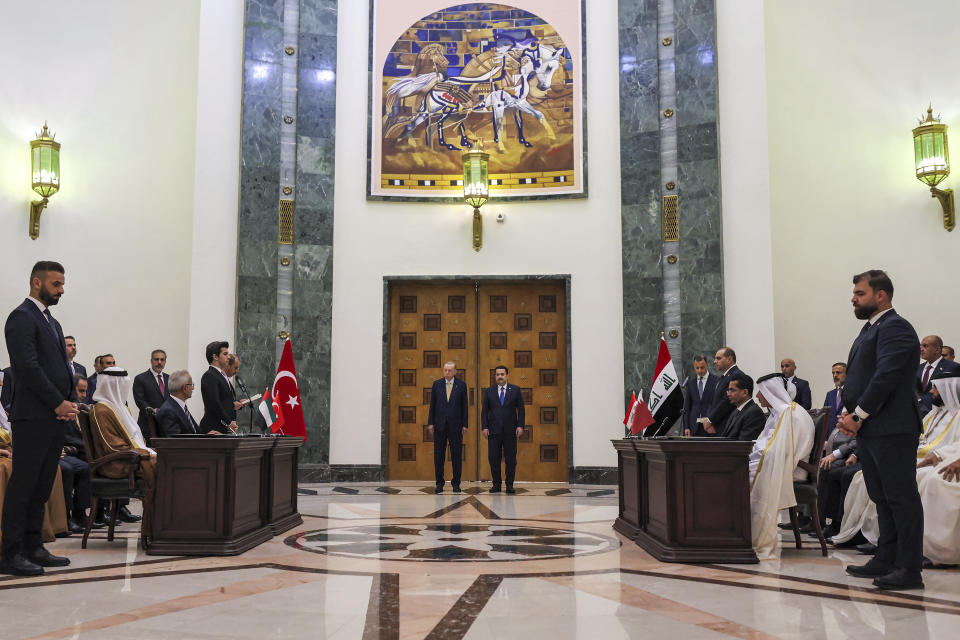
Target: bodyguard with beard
<point>40,411</point>
<point>879,407</point>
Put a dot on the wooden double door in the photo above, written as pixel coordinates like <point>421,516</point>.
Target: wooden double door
<point>478,325</point>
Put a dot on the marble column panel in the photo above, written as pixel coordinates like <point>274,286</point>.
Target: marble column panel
<point>259,185</point>
<point>698,183</point>
<point>640,191</point>
<point>313,228</point>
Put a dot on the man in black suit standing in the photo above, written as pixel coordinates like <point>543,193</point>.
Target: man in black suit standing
<point>447,422</point>
<point>725,361</point>
<point>219,412</point>
<point>150,388</point>
<point>76,368</point>
<point>746,421</point>
<point>931,350</point>
<point>698,399</point>
<point>788,367</point>
<point>834,398</point>
<point>41,407</point>
<point>173,416</point>
<point>502,417</point>
<point>881,410</point>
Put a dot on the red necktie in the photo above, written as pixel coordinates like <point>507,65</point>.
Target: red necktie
<point>163,390</point>
<point>926,375</point>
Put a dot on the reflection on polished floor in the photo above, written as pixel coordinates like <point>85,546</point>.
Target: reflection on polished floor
<point>396,561</point>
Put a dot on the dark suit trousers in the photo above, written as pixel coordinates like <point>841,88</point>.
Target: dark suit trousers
<point>502,446</point>
<point>37,445</point>
<point>834,483</point>
<point>76,484</point>
<point>890,475</point>
<point>442,437</point>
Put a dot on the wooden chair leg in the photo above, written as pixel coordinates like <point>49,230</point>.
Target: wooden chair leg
<point>114,508</point>
<point>90,518</point>
<point>815,509</point>
<point>796,527</point>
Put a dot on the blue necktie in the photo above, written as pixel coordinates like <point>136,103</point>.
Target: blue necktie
<point>501,396</point>
<point>700,387</point>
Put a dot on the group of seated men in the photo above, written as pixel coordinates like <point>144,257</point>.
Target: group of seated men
<point>721,405</point>
<point>113,428</point>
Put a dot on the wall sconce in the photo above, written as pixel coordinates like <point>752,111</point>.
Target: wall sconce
<point>45,172</point>
<point>476,188</point>
<point>933,163</point>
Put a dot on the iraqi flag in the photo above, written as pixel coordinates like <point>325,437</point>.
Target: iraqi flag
<point>638,416</point>
<point>271,412</point>
<point>286,393</point>
<point>666,399</point>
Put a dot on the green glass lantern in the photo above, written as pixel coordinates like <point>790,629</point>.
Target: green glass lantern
<point>932,159</point>
<point>476,189</point>
<point>45,174</point>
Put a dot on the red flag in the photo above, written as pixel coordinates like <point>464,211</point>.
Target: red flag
<point>633,401</point>
<point>641,418</point>
<point>286,393</point>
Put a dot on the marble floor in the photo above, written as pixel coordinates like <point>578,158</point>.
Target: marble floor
<point>396,561</point>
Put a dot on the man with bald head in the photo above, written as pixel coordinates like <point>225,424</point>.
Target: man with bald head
<point>788,367</point>
<point>932,363</point>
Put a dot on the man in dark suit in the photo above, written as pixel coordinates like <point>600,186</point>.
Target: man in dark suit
<point>882,412</point>
<point>101,363</point>
<point>76,368</point>
<point>698,399</point>
<point>837,469</point>
<point>6,390</point>
<point>173,416</point>
<point>219,411</point>
<point>948,353</point>
<point>150,388</point>
<point>746,421</point>
<point>788,367</point>
<point>931,351</point>
<point>502,417</point>
<point>725,362</point>
<point>447,422</point>
<point>833,400</point>
<point>41,407</point>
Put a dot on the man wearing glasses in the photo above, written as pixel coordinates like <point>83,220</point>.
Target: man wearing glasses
<point>173,416</point>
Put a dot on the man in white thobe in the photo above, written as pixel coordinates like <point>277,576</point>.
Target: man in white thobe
<point>786,439</point>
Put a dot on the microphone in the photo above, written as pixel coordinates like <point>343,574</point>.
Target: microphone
<point>243,388</point>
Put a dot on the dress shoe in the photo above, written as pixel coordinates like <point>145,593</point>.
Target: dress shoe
<point>899,579</point>
<point>64,534</point>
<point>873,569</point>
<point>849,544</point>
<point>456,489</point>
<point>74,526</point>
<point>829,531</point>
<point>124,515</point>
<point>511,490</point>
<point>808,529</point>
<point>438,489</point>
<point>44,558</point>
<point>495,489</point>
<point>930,564</point>
<point>99,523</point>
<point>19,565</point>
<point>867,548</point>
<point>82,521</point>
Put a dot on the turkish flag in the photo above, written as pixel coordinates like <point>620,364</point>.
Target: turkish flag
<point>286,393</point>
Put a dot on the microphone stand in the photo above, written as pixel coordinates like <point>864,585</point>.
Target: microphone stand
<point>249,401</point>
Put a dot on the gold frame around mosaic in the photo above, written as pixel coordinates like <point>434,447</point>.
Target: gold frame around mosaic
<point>508,181</point>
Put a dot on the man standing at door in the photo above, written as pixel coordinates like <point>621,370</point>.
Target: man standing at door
<point>502,417</point>
<point>448,422</point>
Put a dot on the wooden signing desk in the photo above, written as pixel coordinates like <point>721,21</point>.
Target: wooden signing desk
<point>223,495</point>
<point>686,499</point>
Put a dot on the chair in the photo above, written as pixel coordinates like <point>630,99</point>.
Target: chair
<point>110,489</point>
<point>806,491</point>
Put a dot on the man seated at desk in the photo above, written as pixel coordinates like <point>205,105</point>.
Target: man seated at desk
<point>173,416</point>
<point>113,428</point>
<point>786,439</point>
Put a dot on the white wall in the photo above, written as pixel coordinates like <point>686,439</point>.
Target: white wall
<point>117,82</point>
<point>745,185</point>
<point>579,237</point>
<point>846,82</point>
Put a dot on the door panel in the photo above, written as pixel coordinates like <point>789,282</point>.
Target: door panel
<point>523,326</point>
<point>429,325</point>
<point>478,326</point>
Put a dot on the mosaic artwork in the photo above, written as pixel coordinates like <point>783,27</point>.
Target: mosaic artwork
<point>473,75</point>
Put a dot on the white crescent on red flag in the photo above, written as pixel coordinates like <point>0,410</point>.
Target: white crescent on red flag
<point>286,393</point>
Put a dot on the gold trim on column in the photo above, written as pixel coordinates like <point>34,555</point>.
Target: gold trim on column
<point>285,231</point>
<point>671,218</point>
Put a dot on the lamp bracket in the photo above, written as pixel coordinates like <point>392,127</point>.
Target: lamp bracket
<point>36,208</point>
<point>945,196</point>
<point>477,229</point>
